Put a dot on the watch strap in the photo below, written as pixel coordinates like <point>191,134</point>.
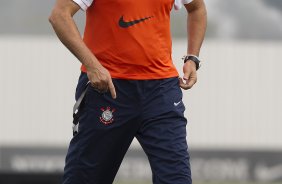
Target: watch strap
<point>195,59</point>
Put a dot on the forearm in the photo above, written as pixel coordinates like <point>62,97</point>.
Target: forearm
<point>69,35</point>
<point>196,28</point>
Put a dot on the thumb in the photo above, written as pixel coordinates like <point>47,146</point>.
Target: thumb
<point>186,76</point>
<point>192,80</point>
<point>181,81</point>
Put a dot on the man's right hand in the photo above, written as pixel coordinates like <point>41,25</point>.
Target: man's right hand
<point>101,80</point>
<point>62,21</point>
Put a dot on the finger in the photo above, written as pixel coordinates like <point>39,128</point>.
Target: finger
<point>182,84</point>
<point>186,75</point>
<point>102,90</point>
<point>103,87</point>
<point>180,81</point>
<point>103,84</point>
<point>97,87</point>
<point>94,85</point>
<point>112,89</point>
<point>191,82</point>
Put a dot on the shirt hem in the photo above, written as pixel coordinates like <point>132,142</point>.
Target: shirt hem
<point>147,76</point>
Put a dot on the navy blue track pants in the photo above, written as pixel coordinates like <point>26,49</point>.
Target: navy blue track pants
<point>150,110</point>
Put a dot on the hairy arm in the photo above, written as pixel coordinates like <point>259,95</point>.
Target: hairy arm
<point>62,21</point>
<point>196,29</point>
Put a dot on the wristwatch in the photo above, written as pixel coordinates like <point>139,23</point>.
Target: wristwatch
<point>193,58</point>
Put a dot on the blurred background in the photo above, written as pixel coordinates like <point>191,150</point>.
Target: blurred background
<point>234,111</point>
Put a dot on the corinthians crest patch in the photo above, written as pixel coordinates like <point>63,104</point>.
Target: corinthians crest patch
<point>107,116</point>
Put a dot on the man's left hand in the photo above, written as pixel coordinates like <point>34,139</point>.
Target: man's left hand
<point>190,75</point>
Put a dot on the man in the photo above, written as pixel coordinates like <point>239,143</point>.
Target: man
<point>134,87</point>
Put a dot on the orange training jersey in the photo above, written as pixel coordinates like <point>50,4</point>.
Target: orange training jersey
<point>131,38</point>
